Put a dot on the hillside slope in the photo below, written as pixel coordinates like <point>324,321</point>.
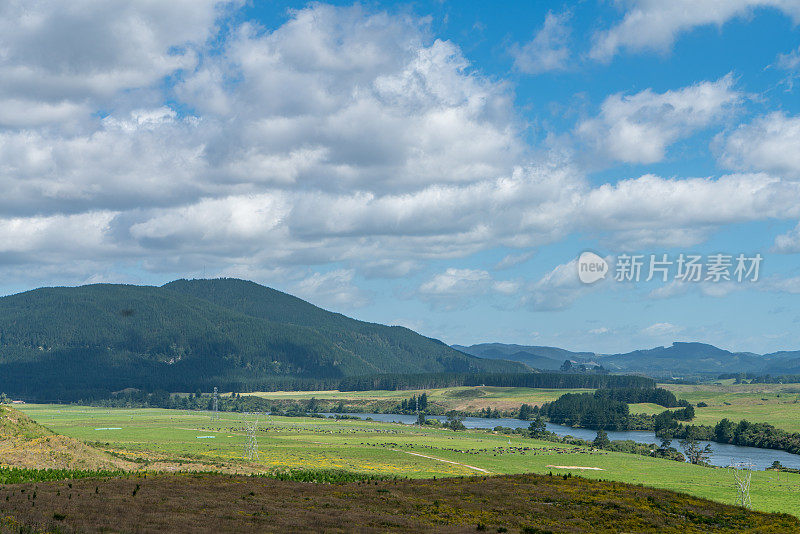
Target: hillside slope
<point>68,343</point>
<point>510,503</point>
<point>388,349</point>
<point>25,443</point>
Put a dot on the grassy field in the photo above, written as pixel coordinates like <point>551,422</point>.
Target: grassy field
<point>517,504</point>
<point>465,398</point>
<point>776,404</point>
<point>154,437</point>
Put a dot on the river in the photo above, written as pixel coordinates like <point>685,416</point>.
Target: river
<point>723,454</point>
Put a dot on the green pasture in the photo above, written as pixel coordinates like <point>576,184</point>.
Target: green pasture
<point>388,449</point>
<point>776,404</point>
<point>466,398</point>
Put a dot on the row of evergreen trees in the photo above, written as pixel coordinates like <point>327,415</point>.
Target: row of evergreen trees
<point>605,408</point>
<point>74,376</point>
<point>394,382</point>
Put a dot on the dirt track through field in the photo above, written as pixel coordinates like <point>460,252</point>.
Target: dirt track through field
<point>446,461</point>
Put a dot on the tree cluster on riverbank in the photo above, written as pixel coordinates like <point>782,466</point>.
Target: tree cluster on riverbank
<point>743,433</point>
<point>605,409</point>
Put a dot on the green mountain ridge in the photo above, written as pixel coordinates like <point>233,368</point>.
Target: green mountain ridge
<point>85,341</point>
<point>679,359</point>
<point>539,357</point>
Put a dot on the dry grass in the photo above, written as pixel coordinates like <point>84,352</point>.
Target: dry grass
<point>517,503</point>
<point>25,443</point>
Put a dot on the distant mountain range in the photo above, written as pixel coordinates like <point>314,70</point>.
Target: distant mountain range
<point>68,342</point>
<point>681,359</point>
<point>545,358</point>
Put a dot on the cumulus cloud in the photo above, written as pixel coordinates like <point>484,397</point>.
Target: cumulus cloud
<point>548,51</point>
<point>363,100</point>
<point>789,61</point>
<point>656,24</point>
<point>344,136</point>
<point>456,282</point>
<point>638,128</point>
<point>58,58</point>
<point>558,289</point>
<point>653,210</point>
<point>788,243</point>
<point>770,143</point>
<point>147,157</point>
<point>334,289</point>
<point>454,286</point>
<point>661,329</point>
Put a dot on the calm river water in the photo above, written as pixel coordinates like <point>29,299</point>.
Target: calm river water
<point>723,453</point>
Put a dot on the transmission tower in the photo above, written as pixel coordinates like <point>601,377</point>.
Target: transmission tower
<point>215,415</point>
<point>251,446</point>
<point>742,473</point>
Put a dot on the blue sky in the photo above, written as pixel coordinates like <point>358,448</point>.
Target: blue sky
<point>439,165</point>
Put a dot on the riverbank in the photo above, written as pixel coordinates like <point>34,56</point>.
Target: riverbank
<point>723,455</point>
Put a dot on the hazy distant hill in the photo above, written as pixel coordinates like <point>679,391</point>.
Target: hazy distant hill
<point>548,358</point>
<point>783,362</point>
<point>681,359</point>
<point>197,334</point>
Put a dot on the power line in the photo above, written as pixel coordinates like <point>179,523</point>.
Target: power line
<point>251,446</point>
<point>215,415</point>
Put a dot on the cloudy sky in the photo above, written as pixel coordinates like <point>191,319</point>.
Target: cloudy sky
<point>438,165</point>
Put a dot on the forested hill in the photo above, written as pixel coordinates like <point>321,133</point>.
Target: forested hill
<point>385,349</point>
<point>63,343</point>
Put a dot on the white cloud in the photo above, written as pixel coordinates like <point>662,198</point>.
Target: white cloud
<point>788,243</point>
<point>661,329</point>
<point>599,331</point>
<point>671,289</point>
<point>60,56</point>
<point>769,144</point>
<point>454,286</point>
<point>457,282</point>
<point>362,100</point>
<point>778,284</point>
<point>389,268</point>
<point>655,24</point>
<point>670,212</point>
<point>638,128</point>
<point>334,289</point>
<point>506,287</point>
<point>707,288</point>
<point>145,158</point>
<point>558,289</point>
<point>56,239</point>
<point>548,51</point>
<point>21,112</point>
<point>512,260</point>
<point>342,137</point>
<point>789,61</point>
